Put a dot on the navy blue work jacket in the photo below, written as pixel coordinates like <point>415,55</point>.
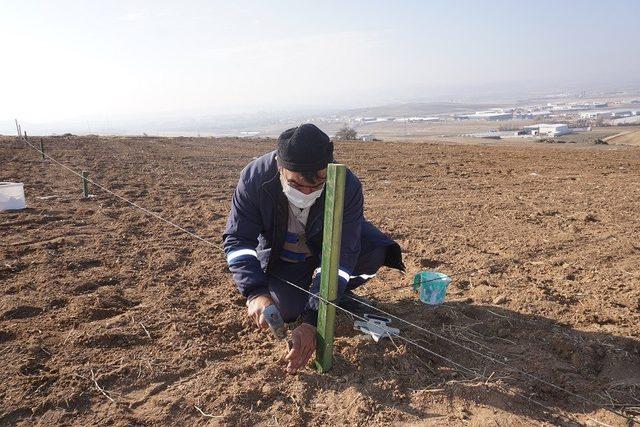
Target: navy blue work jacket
<point>257,227</point>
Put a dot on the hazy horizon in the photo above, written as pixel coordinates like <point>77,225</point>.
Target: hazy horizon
<point>125,59</point>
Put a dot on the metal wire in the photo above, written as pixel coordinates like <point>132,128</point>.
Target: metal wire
<point>105,189</point>
<point>389,332</point>
<point>218,246</point>
<point>420,282</point>
<point>410,341</point>
<point>463,272</point>
<point>486,356</point>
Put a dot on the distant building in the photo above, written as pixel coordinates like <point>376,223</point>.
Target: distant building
<point>532,114</point>
<point>594,114</point>
<point>422,119</point>
<point>497,114</point>
<point>249,133</point>
<point>589,105</point>
<point>546,130</point>
<point>635,119</point>
<point>367,138</point>
<point>560,107</point>
<point>621,114</point>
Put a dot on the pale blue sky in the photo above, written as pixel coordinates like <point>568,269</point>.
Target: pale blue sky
<point>65,59</point>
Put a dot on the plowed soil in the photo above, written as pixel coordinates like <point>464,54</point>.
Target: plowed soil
<point>110,316</point>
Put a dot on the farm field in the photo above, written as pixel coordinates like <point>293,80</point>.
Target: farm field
<point>110,316</point>
<point>627,137</point>
<point>604,133</point>
<point>415,131</point>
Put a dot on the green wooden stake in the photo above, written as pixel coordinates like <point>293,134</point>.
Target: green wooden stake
<point>333,205</point>
<point>41,148</point>
<point>85,183</point>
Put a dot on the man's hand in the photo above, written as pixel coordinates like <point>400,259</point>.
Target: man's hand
<point>256,306</point>
<point>303,344</point>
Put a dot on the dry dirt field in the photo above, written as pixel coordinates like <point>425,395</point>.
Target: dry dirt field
<point>627,137</point>
<point>111,317</point>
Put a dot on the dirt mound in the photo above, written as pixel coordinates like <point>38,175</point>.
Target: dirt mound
<point>108,316</point>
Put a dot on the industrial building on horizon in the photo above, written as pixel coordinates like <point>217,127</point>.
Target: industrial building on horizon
<point>544,129</point>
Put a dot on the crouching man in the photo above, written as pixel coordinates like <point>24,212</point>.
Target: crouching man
<point>274,236</point>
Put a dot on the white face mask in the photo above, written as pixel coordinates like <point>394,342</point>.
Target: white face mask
<point>298,198</point>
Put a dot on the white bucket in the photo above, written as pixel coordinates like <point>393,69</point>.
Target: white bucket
<point>12,196</point>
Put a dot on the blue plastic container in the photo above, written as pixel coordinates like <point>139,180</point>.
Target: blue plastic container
<point>431,286</point>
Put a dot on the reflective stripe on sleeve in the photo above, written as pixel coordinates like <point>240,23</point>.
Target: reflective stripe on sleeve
<point>241,252</point>
<point>344,275</point>
<point>364,276</point>
<point>341,273</point>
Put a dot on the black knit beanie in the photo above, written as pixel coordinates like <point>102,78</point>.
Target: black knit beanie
<point>304,148</point>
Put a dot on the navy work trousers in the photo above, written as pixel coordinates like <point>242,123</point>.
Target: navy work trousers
<point>292,301</point>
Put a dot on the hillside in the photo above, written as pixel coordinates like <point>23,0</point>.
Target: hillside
<point>625,138</point>
<point>416,109</point>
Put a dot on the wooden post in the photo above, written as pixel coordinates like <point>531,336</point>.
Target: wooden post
<point>85,183</point>
<point>41,149</point>
<point>18,129</point>
<point>331,239</point>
